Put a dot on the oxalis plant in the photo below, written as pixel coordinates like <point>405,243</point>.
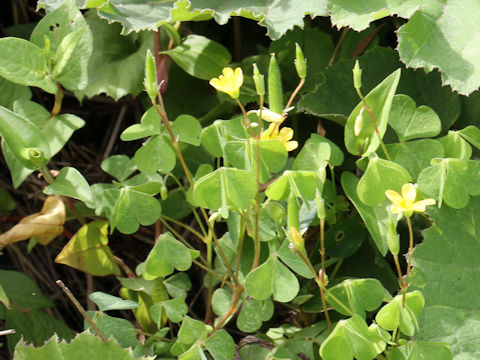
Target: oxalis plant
<point>354,238</point>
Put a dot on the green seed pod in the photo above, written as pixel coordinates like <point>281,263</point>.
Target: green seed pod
<point>258,80</point>
<point>164,192</point>
<point>150,81</point>
<point>275,94</point>
<point>300,62</point>
<point>292,211</point>
<point>357,76</point>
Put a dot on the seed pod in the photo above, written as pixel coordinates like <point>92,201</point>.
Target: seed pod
<point>357,128</point>
<point>357,76</point>
<point>275,94</point>
<point>259,81</point>
<point>300,62</point>
<point>297,239</point>
<point>150,82</point>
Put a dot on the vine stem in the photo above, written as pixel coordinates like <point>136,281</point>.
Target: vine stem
<point>237,295</point>
<point>166,122</point>
<point>256,257</point>
<point>337,47</point>
<point>374,123</point>
<point>322,274</point>
<point>58,101</point>
<point>406,284</point>
<point>79,307</point>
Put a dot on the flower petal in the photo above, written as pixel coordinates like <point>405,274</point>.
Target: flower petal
<point>409,192</point>
<point>420,206</point>
<point>394,197</point>
<point>285,134</point>
<point>291,145</point>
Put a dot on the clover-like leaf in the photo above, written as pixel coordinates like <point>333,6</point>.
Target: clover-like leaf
<point>358,295</point>
<point>395,315</point>
<point>253,314</point>
<point>119,166</point>
<point>225,187</point>
<point>455,146</point>
<point>315,152</point>
<point>421,350</point>
<point>410,122</point>
<point>188,129</point>
<point>155,155</point>
<point>450,180</point>
<point>303,184</point>
<point>381,175</point>
<point>351,339</point>
<point>168,254</point>
<point>272,277</point>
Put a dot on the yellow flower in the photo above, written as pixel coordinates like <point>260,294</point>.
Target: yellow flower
<point>230,82</point>
<point>284,134</point>
<point>406,204</point>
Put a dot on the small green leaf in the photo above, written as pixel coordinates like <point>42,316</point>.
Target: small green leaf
<point>303,184</point>
<point>187,129</point>
<point>350,338</point>
<point>450,180</point>
<point>150,124</point>
<point>119,166</point>
<point>410,122</point>
<point>421,350</point>
<point>155,155</point>
<point>24,63</point>
<point>272,277</point>
<point>121,330</point>
<point>221,301</point>
<point>167,254</point>
<point>381,175</point>
<point>358,295</point>
<point>107,302</point>
<point>191,330</point>
<point>178,284</point>
<point>70,182</point>
<point>379,100</point>
<point>11,92</point>
<point>221,345</point>
<point>472,135</point>
<point>225,186</point>
<point>88,251</point>
<point>175,309</point>
<point>315,152</point>
<point>394,315</point>
<point>253,313</point>
<point>200,57</point>
<point>215,136</point>
<point>455,146</point>
<point>22,291</point>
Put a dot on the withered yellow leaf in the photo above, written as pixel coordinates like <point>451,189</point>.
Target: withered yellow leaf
<point>44,225</point>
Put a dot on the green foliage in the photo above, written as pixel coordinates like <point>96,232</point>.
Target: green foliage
<point>267,217</point>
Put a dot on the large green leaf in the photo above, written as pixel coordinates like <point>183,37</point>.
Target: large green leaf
<point>200,57</point>
<point>22,290</point>
<point>277,16</point>
<point>88,251</point>
<point>445,269</point>
<point>70,41</point>
<point>11,92</point>
<point>436,37</point>
<point>24,63</point>
<point>84,346</point>
<point>117,65</point>
<point>336,97</point>
<point>20,134</point>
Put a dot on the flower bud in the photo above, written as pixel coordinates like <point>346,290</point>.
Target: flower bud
<point>300,62</point>
<point>322,174</point>
<point>357,128</point>
<point>150,81</point>
<point>357,76</point>
<point>35,155</point>
<point>259,81</point>
<point>297,239</point>
<point>163,192</point>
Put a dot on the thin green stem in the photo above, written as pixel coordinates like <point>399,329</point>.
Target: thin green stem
<point>213,273</point>
<point>208,313</point>
<point>46,175</point>
<point>406,284</point>
<point>374,123</point>
<point>256,257</point>
<point>295,92</point>
<point>57,106</point>
<point>185,226</point>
